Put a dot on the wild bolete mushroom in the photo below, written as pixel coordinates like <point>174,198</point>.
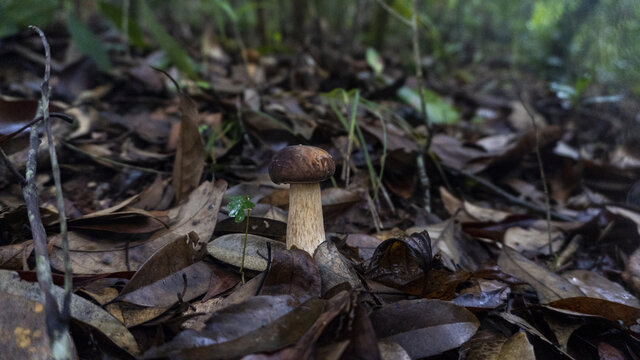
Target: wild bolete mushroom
<point>303,167</point>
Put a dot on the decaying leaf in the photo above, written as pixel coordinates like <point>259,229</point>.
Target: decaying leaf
<point>81,309</point>
<point>548,285</point>
<point>228,248</point>
<point>273,333</point>
<point>190,155</point>
<point>400,261</point>
<point>24,333</point>
<point>198,214</point>
<point>292,272</point>
<point>425,327</point>
<point>173,257</point>
<point>612,311</point>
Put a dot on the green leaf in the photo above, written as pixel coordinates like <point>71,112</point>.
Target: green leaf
<point>227,9</point>
<point>237,206</point>
<point>176,53</point>
<point>87,43</point>
<point>115,14</point>
<point>15,15</point>
<point>375,61</point>
<point>545,15</point>
<point>438,110</point>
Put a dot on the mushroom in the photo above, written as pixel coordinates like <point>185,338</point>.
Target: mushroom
<point>303,167</point>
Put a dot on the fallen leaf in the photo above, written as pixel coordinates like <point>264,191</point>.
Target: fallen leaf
<point>228,248</point>
<point>81,309</point>
<point>489,345</point>
<point>273,335</point>
<point>198,214</point>
<point>189,282</point>
<point>334,268</point>
<point>425,327</point>
<point>189,162</point>
<point>597,286</point>
<point>398,262</point>
<point>612,311</point>
<point>292,272</point>
<point>24,332</point>
<point>176,255</point>
<point>549,285</point>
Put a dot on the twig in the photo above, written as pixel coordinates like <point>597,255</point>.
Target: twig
<point>543,178</point>
<point>424,178</point>
<point>62,116</point>
<point>12,169</point>
<point>57,323</point>
<point>30,55</point>
<point>390,10</point>
<point>113,162</point>
<point>62,216</point>
<point>413,24</point>
<point>266,271</point>
<point>125,26</point>
<point>374,212</point>
<point>352,126</point>
<point>509,197</point>
<point>244,244</point>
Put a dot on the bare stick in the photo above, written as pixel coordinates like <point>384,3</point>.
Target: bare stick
<point>543,177</point>
<point>12,169</point>
<point>390,10</point>
<point>62,116</point>
<point>57,325</point>
<point>113,162</point>
<point>125,26</point>
<point>55,170</point>
<point>424,178</point>
<point>496,190</point>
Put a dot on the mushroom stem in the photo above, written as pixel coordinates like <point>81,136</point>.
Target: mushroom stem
<point>305,226</point>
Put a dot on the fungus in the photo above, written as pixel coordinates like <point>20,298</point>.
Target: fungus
<point>303,168</point>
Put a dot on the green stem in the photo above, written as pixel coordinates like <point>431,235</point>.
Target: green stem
<point>244,246</point>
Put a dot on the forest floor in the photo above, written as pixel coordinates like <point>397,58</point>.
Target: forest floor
<point>443,241</point>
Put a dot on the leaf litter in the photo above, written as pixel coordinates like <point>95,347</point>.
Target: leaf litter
<point>155,249</point>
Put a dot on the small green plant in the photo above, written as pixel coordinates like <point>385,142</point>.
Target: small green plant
<point>237,207</point>
<point>339,98</point>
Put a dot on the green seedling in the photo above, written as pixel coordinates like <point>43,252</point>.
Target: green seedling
<point>240,209</point>
<point>338,98</point>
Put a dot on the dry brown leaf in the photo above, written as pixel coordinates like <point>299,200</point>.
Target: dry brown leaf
<point>81,309</point>
<point>198,214</point>
<point>549,285</point>
<point>189,162</point>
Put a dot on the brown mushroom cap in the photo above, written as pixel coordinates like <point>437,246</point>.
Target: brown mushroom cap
<point>301,164</point>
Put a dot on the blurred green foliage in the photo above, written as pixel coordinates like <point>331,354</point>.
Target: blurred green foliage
<point>16,15</point>
<point>563,40</point>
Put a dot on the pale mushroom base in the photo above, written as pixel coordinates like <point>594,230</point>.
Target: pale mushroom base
<point>305,226</point>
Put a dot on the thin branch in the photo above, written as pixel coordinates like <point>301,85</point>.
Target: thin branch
<point>424,178</point>
<point>5,159</point>
<point>55,170</point>
<point>509,197</point>
<point>543,177</point>
<point>57,325</point>
<point>390,10</point>
<point>62,116</point>
<point>266,270</point>
<point>113,162</point>
<point>126,9</point>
